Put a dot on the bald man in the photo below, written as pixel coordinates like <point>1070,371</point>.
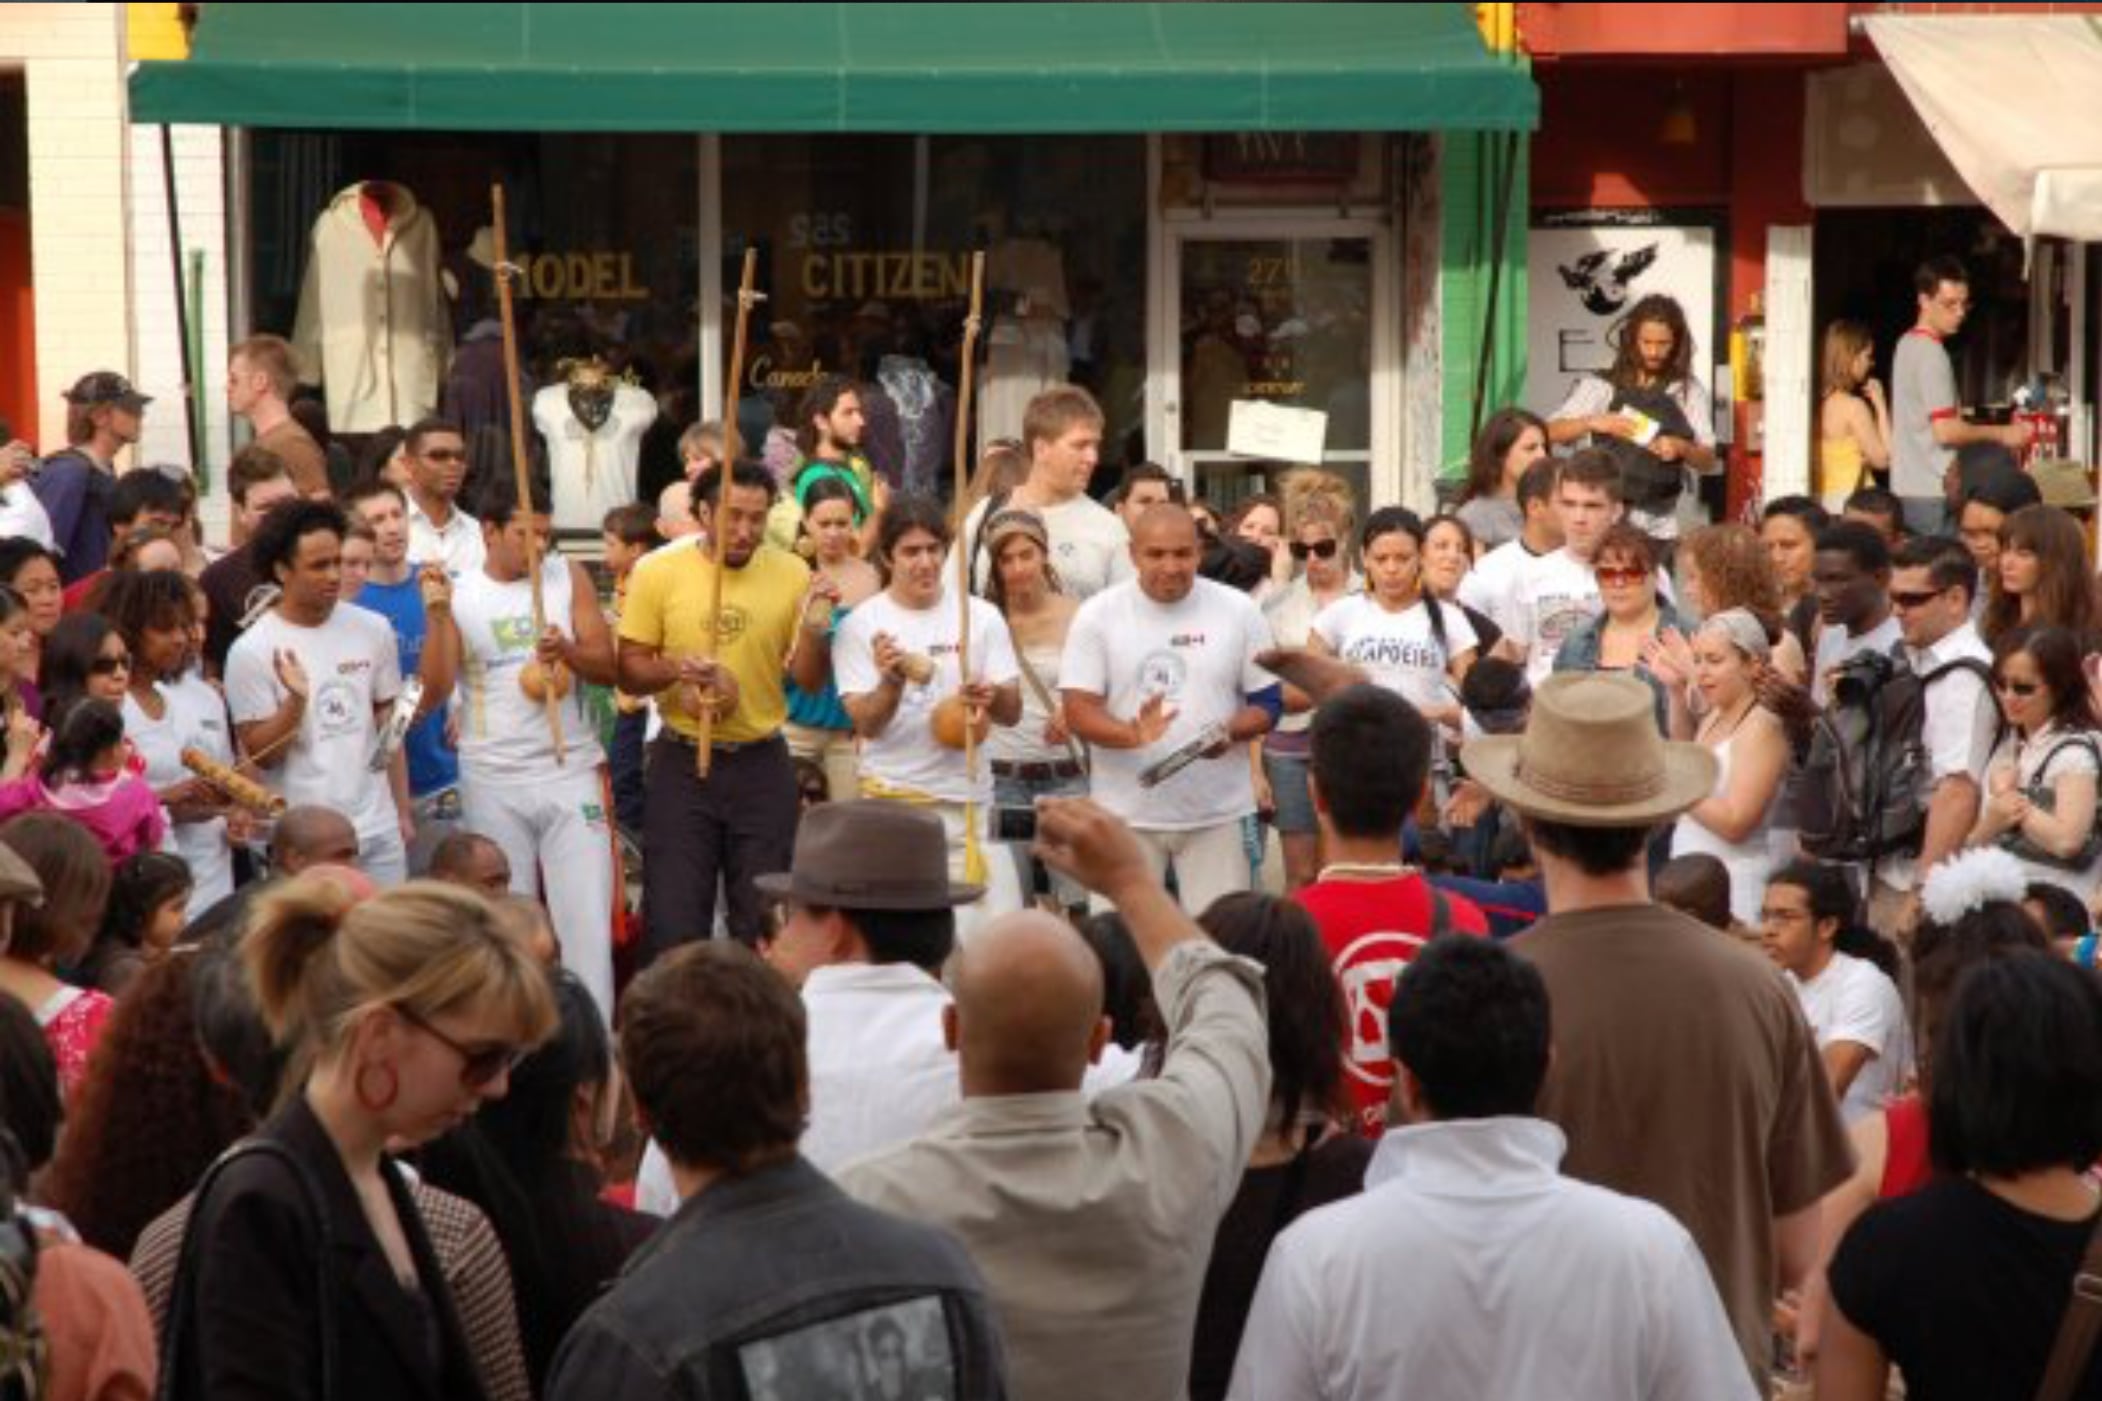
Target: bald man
<point>1091,1220</point>
<point>303,838</point>
<point>675,518</point>
<point>1162,663</point>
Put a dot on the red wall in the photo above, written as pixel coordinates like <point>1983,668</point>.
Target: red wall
<point>18,398</point>
<point>1600,147</point>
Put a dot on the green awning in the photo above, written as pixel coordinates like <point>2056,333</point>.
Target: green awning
<point>967,68</point>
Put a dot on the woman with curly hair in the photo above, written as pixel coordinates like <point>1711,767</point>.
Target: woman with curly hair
<point>1728,566</point>
<point>148,1119</point>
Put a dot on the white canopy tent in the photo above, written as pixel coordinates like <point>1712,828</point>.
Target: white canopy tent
<point>2014,101</point>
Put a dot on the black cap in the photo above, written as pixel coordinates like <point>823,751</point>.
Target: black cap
<point>106,387</point>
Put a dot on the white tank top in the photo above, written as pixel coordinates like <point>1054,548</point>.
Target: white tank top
<point>503,732</point>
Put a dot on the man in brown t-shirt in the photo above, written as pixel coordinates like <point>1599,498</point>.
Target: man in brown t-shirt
<point>259,382</point>
<point>1684,1072</point>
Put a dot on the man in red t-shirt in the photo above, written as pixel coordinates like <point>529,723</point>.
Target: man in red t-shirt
<point>1371,754</point>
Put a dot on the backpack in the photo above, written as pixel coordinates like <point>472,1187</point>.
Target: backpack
<point>1862,791</point>
<point>1647,481</point>
<point>2040,795</point>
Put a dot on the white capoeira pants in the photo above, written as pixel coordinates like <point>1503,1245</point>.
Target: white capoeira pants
<point>554,831</point>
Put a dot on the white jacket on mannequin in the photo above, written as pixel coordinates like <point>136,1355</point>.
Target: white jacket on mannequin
<point>373,329</point>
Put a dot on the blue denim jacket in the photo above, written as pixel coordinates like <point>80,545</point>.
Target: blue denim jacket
<point>757,1258</point>
<point>1579,652</point>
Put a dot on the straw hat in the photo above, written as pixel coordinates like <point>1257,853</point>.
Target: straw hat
<point>1591,757</point>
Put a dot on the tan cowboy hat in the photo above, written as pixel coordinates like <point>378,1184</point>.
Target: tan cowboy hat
<point>870,855</point>
<point>1591,757</point>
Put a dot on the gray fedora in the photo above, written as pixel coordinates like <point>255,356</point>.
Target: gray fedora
<point>870,855</point>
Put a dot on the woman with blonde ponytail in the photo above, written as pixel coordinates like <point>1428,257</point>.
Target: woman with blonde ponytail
<point>305,1271</point>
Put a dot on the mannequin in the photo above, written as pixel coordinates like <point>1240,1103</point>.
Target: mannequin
<point>593,422</point>
<point>373,329</point>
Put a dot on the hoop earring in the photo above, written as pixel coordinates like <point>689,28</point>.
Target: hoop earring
<point>383,1100</point>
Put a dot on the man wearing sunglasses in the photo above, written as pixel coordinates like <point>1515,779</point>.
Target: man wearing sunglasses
<point>439,531</point>
<point>1932,583</point>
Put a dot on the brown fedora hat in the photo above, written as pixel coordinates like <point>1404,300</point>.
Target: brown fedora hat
<point>1591,757</point>
<point>870,855</point>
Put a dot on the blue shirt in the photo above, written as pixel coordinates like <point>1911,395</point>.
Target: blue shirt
<point>433,766</point>
<point>823,710</point>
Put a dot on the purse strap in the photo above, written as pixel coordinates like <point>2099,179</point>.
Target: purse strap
<point>2079,1329</point>
<point>183,1302</point>
<point>1043,695</point>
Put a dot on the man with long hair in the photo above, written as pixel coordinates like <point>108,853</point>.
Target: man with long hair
<point>1649,409</point>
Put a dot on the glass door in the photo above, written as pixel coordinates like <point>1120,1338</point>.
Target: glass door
<point>1282,315</point>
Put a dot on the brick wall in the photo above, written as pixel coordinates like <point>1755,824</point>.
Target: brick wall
<point>72,58</point>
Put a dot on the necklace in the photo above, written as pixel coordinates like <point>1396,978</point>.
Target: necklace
<point>1365,871</point>
<point>1715,722</point>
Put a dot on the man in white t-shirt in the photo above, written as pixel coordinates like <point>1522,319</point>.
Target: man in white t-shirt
<point>1553,595</point>
<point>1149,667</point>
<point>873,662</point>
<point>549,815</point>
<point>1931,586</point>
<point>1487,587</point>
<point>439,531</point>
<point>1062,432</point>
<point>310,685</point>
<point>1852,1005</point>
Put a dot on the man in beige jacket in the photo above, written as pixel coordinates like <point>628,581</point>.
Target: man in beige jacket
<point>1091,1219</point>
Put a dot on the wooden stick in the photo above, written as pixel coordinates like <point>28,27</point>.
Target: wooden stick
<point>973,853</point>
<point>550,697</point>
<point>719,527</point>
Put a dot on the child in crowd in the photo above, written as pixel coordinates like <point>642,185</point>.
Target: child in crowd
<point>143,920</point>
<point>84,777</point>
<point>630,532</point>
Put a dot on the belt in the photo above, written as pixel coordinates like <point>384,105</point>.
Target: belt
<point>1038,773</point>
<point>686,741</point>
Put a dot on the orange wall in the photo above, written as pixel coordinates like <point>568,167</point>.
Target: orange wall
<point>18,399</point>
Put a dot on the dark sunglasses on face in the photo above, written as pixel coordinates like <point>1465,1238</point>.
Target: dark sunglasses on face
<point>1621,577</point>
<point>1319,549</point>
<point>2021,690</point>
<point>1908,599</point>
<point>479,1066</point>
<point>109,666</point>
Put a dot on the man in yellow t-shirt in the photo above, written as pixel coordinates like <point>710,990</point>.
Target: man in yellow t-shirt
<point>740,821</point>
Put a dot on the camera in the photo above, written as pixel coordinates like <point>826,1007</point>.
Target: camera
<point>1014,824</point>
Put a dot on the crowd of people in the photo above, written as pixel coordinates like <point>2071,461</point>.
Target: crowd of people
<point>1545,947</point>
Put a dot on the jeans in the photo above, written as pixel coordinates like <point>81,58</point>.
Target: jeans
<point>1013,792</point>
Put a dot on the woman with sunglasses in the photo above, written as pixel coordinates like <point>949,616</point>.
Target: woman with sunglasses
<point>306,1271</point>
<point>1635,618</point>
<point>2042,579</point>
<point>1397,631</point>
<point>2040,786</point>
<point>1320,546</point>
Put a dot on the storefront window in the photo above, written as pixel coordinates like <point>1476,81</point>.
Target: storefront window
<point>864,256</point>
<point>605,231</point>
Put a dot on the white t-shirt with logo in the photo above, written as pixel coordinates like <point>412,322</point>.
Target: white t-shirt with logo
<point>352,667</point>
<point>194,717</point>
<point>1487,587</point>
<point>1200,653</point>
<point>504,737</point>
<point>1550,596</point>
<point>1090,546</point>
<point>1398,651</point>
<point>1853,1000</point>
<point>906,754</point>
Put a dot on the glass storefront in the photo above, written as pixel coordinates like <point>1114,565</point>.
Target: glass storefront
<point>864,259</point>
<point>605,230</point>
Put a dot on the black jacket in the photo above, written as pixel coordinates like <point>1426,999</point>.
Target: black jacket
<point>249,1316</point>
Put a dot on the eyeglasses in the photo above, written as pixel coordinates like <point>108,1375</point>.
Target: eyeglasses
<point>1908,599</point>
<point>478,1066</point>
<point>109,666</point>
<point>1319,549</point>
<point>1620,578</point>
<point>2021,690</point>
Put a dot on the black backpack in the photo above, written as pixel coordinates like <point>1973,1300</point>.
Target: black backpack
<point>1647,481</point>
<point>1863,789</point>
